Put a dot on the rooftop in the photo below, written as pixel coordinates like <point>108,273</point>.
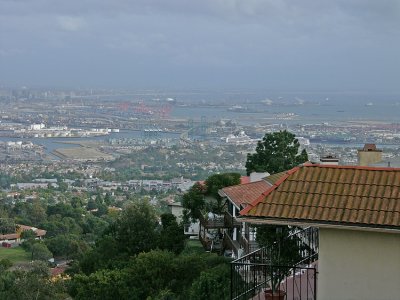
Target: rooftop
<point>244,194</point>
<point>332,195</point>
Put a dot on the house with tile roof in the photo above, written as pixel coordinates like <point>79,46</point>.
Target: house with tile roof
<point>14,235</point>
<point>222,232</point>
<point>357,212</point>
<point>239,237</point>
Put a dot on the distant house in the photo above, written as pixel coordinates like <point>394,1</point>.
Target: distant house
<point>190,229</point>
<point>240,236</point>
<point>357,211</point>
<point>32,185</point>
<point>15,236</point>
<point>225,232</point>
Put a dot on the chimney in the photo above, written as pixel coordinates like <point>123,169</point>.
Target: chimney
<point>368,155</point>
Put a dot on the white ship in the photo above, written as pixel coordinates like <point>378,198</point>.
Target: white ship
<point>241,139</point>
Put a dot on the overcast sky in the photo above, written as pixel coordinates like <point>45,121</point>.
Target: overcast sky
<point>260,44</point>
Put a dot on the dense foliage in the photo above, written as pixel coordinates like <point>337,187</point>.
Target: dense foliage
<point>31,283</point>
<point>205,198</point>
<point>157,275</point>
<point>277,152</point>
<point>138,258</point>
<point>132,254</point>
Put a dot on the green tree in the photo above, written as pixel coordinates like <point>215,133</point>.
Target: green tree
<point>286,250</point>
<point>103,284</point>
<point>151,272</point>
<point>108,199</point>
<point>277,152</point>
<point>31,284</point>
<point>193,202</point>
<point>216,182</point>
<point>5,264</point>
<point>62,186</point>
<point>64,210</point>
<point>68,246</point>
<point>40,252</point>
<point>28,235</point>
<point>105,254</point>
<point>213,284</point>
<point>91,204</point>
<point>5,180</point>
<point>136,229</point>
<point>172,237</point>
<point>29,239</point>
<point>200,198</point>
<point>94,225</point>
<point>36,213</point>
<point>76,202</point>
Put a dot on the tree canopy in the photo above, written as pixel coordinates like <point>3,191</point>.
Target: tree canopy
<point>277,152</point>
<point>218,181</point>
<point>205,197</point>
<point>158,274</point>
<point>193,202</point>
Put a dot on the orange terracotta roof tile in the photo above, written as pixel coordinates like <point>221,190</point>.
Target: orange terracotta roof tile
<point>243,194</point>
<point>342,195</point>
<point>244,179</point>
<point>10,236</point>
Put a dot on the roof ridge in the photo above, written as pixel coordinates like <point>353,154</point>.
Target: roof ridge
<point>389,169</point>
<point>241,184</point>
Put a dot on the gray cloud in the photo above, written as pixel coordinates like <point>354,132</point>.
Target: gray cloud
<point>254,43</point>
<point>69,23</point>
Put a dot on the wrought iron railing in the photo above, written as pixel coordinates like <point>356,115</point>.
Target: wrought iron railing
<point>264,269</point>
<point>215,222</point>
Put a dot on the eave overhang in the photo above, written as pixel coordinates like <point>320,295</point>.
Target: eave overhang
<point>320,224</point>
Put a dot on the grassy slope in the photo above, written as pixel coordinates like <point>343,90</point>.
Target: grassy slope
<point>16,255</point>
<point>193,246</point>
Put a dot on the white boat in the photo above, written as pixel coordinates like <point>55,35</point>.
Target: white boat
<point>241,139</point>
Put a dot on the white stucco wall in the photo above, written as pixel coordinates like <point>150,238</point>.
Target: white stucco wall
<point>358,265</point>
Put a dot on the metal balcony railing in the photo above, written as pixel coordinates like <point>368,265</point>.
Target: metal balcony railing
<point>264,269</point>
<point>215,222</point>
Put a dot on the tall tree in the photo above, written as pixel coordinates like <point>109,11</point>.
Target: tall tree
<point>172,237</point>
<point>193,202</point>
<point>40,251</point>
<point>136,229</point>
<point>216,182</point>
<point>212,284</point>
<point>277,152</point>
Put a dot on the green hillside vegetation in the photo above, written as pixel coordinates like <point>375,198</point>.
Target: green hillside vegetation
<point>15,255</point>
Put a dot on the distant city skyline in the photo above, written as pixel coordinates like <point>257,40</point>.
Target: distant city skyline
<point>306,45</point>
